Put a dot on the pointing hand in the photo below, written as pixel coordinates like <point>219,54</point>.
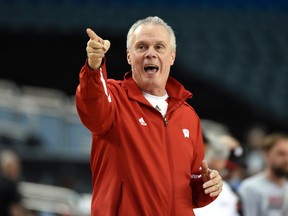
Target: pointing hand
<point>96,49</point>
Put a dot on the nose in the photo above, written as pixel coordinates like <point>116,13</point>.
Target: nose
<point>151,53</point>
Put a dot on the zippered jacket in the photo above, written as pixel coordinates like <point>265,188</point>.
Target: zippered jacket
<point>142,164</point>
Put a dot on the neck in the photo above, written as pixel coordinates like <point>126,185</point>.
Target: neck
<point>280,181</point>
<point>155,91</point>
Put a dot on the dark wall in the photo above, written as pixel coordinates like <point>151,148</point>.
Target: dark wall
<point>53,60</point>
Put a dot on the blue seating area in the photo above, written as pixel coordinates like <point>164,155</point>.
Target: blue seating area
<point>37,119</point>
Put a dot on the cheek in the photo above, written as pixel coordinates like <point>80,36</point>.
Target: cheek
<point>169,60</point>
<point>286,160</point>
<point>134,60</point>
<point>280,161</point>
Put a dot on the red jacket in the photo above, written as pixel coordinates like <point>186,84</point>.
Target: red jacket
<point>142,164</point>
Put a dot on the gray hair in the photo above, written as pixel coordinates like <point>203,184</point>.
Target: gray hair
<point>217,149</point>
<point>154,21</point>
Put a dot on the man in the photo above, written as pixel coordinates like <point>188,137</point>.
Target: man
<point>263,194</point>
<point>147,148</point>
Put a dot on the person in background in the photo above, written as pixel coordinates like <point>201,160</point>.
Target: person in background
<point>263,194</point>
<point>286,201</point>
<point>234,167</point>
<point>216,154</point>
<point>10,197</point>
<point>234,171</point>
<point>147,150</point>
<point>254,160</point>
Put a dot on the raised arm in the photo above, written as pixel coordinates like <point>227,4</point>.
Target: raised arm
<point>93,100</point>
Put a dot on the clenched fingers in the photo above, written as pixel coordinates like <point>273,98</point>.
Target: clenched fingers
<point>213,187</point>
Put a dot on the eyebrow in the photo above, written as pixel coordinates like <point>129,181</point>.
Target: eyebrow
<point>144,41</point>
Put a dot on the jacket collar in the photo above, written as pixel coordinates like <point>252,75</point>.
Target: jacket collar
<point>176,91</point>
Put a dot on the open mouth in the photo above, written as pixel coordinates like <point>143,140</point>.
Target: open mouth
<point>151,68</point>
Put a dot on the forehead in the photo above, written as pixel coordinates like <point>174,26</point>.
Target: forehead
<point>150,31</point>
<point>281,145</point>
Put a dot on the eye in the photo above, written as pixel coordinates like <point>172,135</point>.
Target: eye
<point>141,47</point>
<point>160,47</point>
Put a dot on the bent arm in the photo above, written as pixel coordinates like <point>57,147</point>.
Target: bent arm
<point>93,100</point>
<point>199,197</point>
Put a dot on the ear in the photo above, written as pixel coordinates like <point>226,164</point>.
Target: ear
<point>173,56</point>
<point>128,57</point>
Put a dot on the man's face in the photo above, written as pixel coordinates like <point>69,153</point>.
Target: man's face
<point>151,56</point>
<point>278,158</point>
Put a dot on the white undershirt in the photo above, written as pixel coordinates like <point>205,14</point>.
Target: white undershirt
<point>158,102</point>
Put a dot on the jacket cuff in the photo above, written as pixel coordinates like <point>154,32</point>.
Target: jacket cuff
<point>90,70</point>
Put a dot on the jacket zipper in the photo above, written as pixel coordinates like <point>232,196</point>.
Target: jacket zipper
<point>171,211</point>
<point>165,121</point>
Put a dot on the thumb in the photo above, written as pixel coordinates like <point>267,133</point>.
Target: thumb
<point>107,45</point>
<point>204,167</point>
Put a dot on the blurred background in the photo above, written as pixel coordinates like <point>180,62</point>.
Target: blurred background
<point>231,54</point>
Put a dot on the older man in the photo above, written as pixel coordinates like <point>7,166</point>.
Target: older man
<point>147,151</point>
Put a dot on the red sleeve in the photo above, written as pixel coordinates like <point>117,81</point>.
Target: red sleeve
<point>93,100</point>
<point>200,199</point>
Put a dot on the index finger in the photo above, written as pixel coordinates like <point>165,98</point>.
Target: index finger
<point>92,35</point>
